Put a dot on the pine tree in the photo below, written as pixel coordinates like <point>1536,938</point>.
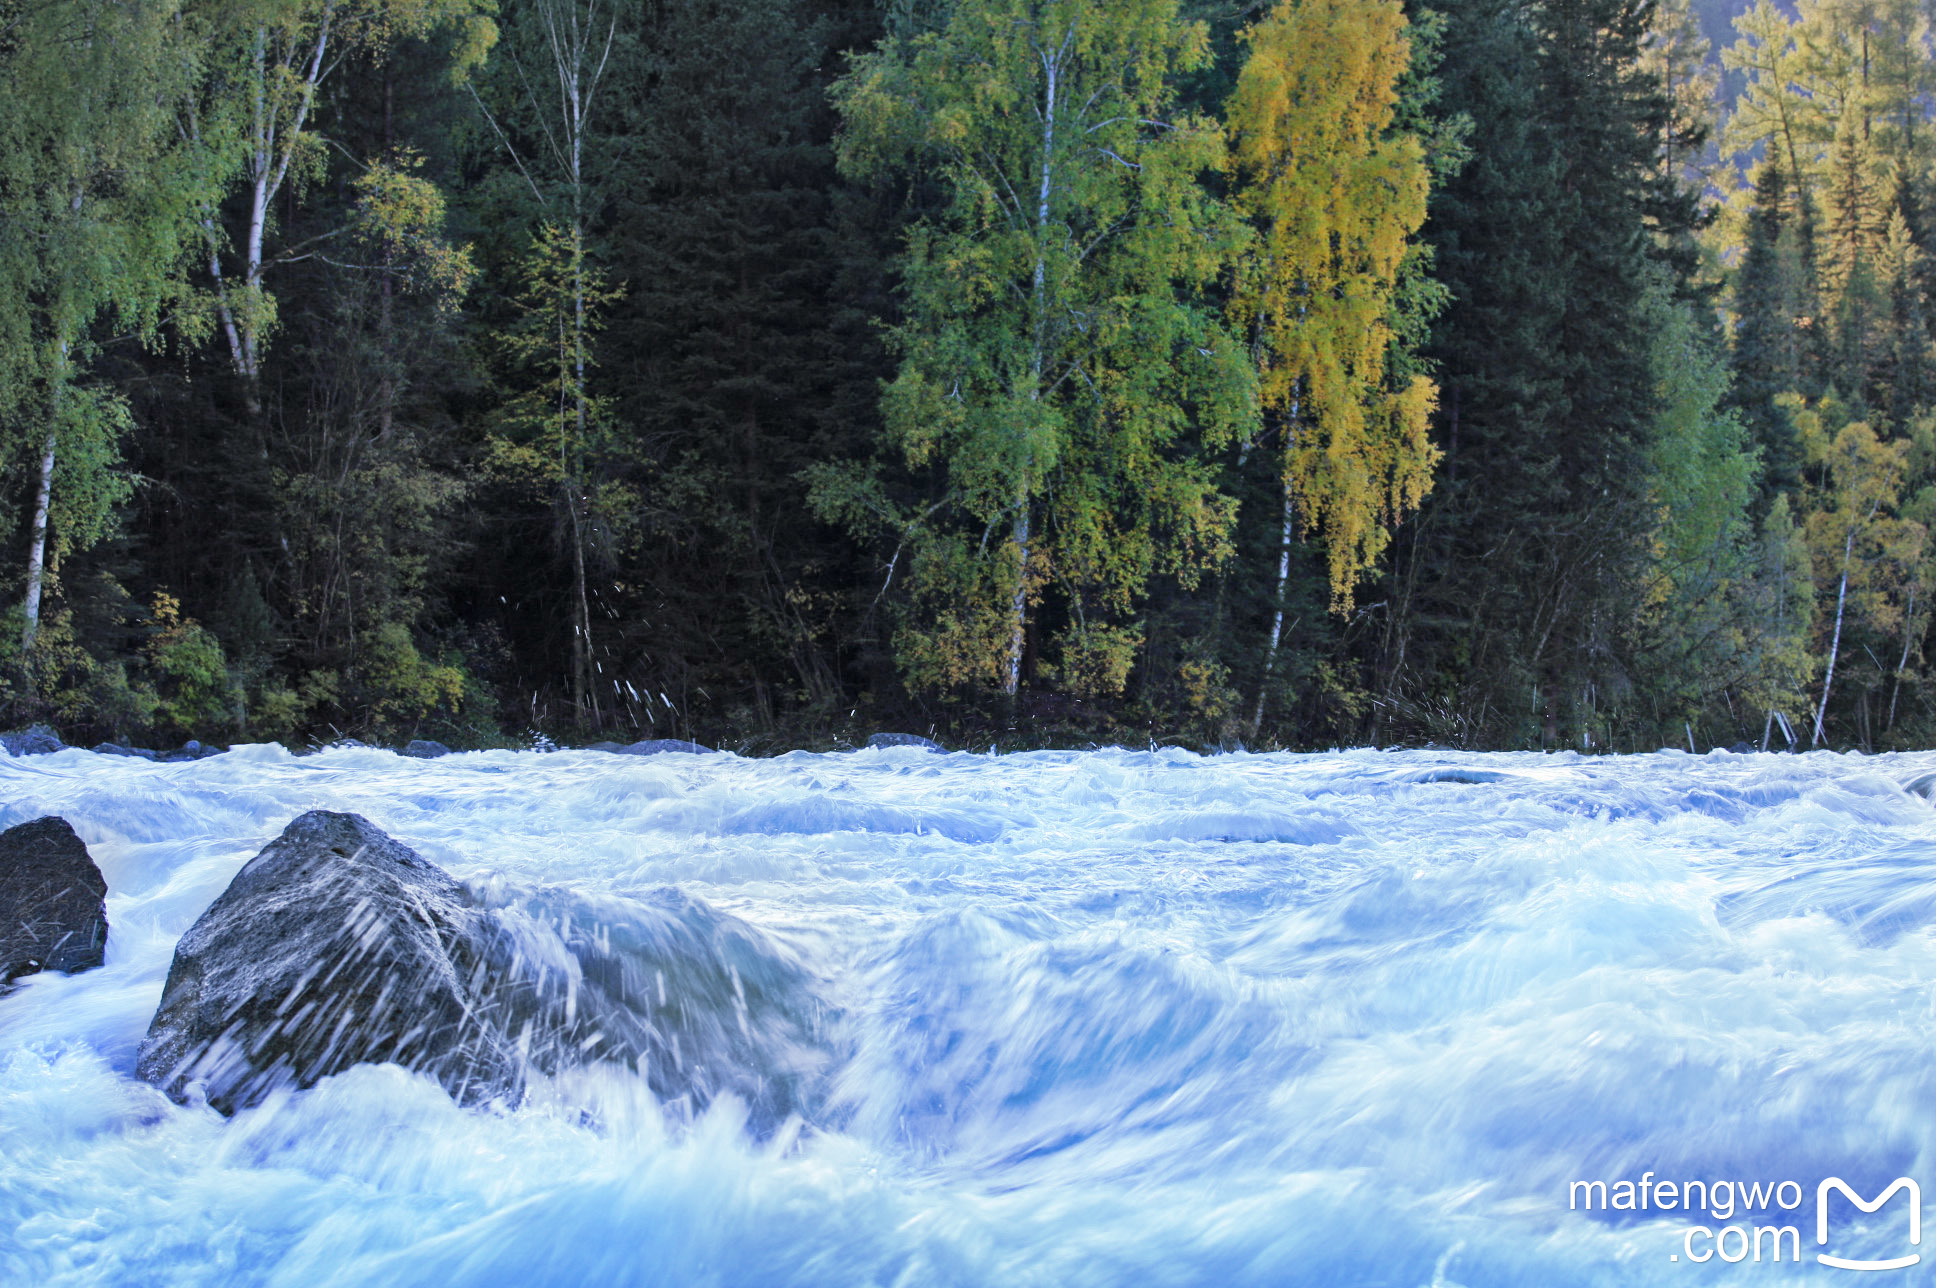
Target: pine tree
<point>1854,225</point>
<point>730,359</point>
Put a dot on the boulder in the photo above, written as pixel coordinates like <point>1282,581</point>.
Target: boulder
<point>903,740</point>
<point>53,910</point>
<point>334,946</point>
<point>35,740</point>
<point>655,746</point>
<point>425,749</point>
<point>339,946</point>
<point>191,750</point>
<point>603,746</point>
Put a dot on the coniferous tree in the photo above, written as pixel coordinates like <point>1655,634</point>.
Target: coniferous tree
<point>1771,302</point>
<point>727,357</point>
<point>1530,547</point>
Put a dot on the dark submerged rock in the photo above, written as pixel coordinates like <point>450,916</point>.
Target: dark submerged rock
<point>338,946</point>
<point>53,909</point>
<point>35,740</point>
<point>902,740</point>
<point>425,749</point>
<point>191,750</point>
<point>657,746</point>
<point>116,749</point>
<point>603,746</point>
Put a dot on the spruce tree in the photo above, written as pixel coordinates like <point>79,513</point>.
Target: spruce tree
<point>1770,303</point>
<point>1529,575</point>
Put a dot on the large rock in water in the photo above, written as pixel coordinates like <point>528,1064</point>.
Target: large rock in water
<point>53,910</point>
<point>338,946</point>
<point>333,947</point>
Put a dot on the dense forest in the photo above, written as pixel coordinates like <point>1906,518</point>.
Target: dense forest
<point>1503,373</point>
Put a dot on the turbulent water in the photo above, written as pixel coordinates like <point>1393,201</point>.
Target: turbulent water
<point>1097,1018</point>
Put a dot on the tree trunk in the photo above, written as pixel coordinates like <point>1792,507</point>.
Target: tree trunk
<point>584,699</point>
<point>1038,362</point>
<point>1277,620</point>
<point>37,545</point>
<point>1283,555</point>
<point>1835,644</point>
<point>1018,609</point>
<point>1908,637</point>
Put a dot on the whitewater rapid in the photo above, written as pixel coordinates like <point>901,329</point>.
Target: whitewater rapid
<point>1103,1018</point>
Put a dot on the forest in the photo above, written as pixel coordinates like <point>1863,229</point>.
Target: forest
<point>1264,373</point>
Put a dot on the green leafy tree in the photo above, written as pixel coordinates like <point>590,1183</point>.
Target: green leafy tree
<point>1061,370</point>
<point>555,430</point>
<point>1861,542</point>
<point>558,54</point>
<point>269,60</point>
<point>96,196</point>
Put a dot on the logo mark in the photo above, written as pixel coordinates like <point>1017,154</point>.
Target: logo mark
<point>1915,1221</point>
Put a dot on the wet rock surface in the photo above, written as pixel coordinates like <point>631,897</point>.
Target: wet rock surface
<point>339,946</point>
<point>334,946</point>
<point>35,740</point>
<point>53,910</point>
<point>425,749</point>
<point>116,749</point>
<point>696,1001</point>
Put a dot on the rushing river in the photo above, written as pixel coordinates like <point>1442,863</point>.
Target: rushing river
<point>1102,1018</point>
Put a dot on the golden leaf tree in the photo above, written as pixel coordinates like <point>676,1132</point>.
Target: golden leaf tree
<point>1336,195</point>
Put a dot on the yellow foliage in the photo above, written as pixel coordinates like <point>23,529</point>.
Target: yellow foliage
<point>1336,199</point>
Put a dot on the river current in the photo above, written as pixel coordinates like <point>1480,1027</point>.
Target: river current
<point>1100,1018</point>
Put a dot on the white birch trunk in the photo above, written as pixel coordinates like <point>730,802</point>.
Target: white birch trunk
<point>37,545</point>
<point>1835,644</point>
<point>1019,527</point>
<point>1277,619</point>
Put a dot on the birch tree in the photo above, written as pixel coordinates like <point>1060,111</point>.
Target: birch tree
<point>558,61</point>
<point>1336,196</point>
<point>1060,373</point>
<point>272,60</point>
<point>96,201</point>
